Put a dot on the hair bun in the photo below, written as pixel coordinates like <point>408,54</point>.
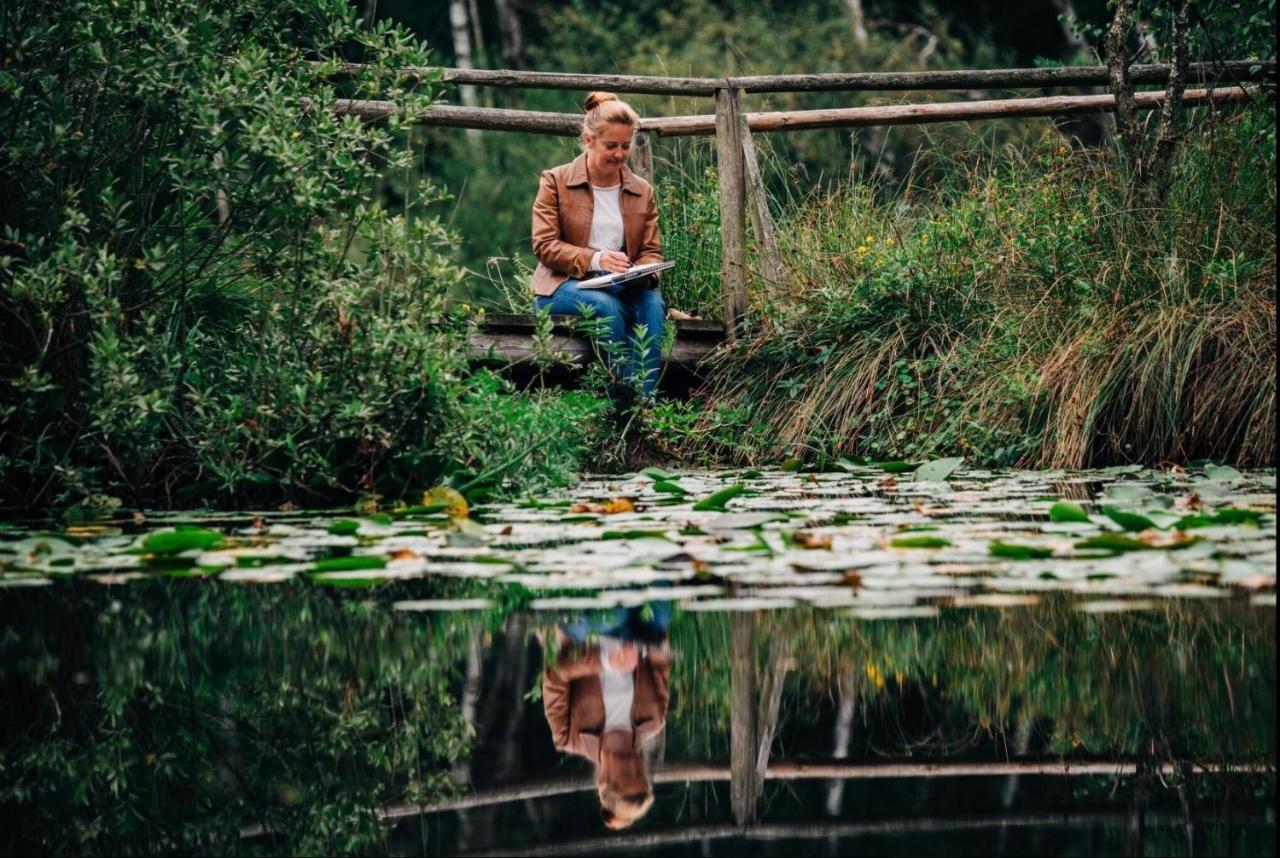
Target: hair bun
<point>596,99</point>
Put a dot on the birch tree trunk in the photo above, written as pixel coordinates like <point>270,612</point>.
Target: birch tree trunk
<point>461,26</point>
<point>858,20</point>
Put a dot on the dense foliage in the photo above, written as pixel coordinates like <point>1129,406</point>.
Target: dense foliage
<point>204,295</point>
<point>1015,310</point>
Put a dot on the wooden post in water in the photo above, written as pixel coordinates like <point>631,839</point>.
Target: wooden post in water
<point>642,155</point>
<point>761,220</point>
<point>733,227</point>
<point>744,692</point>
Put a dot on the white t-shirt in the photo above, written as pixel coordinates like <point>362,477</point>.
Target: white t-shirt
<point>606,222</point>
<point>618,687</point>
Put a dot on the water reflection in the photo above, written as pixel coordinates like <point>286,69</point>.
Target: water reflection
<point>605,695</point>
<point>186,715</point>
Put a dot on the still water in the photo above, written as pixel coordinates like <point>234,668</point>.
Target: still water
<point>698,663</point>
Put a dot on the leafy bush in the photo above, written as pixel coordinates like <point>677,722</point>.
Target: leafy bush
<point>1010,308</point>
<point>203,295</point>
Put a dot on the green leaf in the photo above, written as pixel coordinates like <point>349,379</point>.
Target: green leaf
<point>658,474</point>
<point>1222,473</point>
<point>1019,552</point>
<point>1227,516</point>
<point>920,542</point>
<point>897,467</point>
<point>344,527</point>
<point>177,541</point>
<point>347,564</point>
<point>1064,512</point>
<point>1113,542</point>
<point>668,487</point>
<point>938,471</point>
<point>717,501</point>
<point>791,466</point>
<point>634,534</point>
<point>1130,521</point>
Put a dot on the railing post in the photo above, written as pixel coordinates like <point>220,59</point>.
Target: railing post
<point>761,219</point>
<point>642,156</point>
<point>733,227</point>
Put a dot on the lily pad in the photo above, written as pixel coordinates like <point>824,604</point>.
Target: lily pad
<point>1130,521</point>
<point>717,501</point>
<point>1066,512</point>
<point>920,542</point>
<point>938,471</point>
<point>347,564</point>
<point>178,541</point>
<point>1019,552</point>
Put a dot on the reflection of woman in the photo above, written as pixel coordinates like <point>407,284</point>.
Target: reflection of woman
<point>595,215</point>
<point>605,699</point>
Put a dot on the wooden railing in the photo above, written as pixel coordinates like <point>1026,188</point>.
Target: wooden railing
<point>741,187</point>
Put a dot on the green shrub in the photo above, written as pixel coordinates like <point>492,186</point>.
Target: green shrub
<point>1009,308</point>
<point>204,295</point>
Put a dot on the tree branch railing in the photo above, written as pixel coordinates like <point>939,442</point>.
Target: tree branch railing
<point>1234,71</point>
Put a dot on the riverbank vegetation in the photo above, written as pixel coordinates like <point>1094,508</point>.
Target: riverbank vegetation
<point>1011,305</point>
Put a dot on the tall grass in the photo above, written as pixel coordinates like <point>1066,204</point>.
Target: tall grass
<point>1005,305</point>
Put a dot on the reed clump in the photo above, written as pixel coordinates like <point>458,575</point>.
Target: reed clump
<point>1008,306</point>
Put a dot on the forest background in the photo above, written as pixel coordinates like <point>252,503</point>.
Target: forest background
<point>216,292</point>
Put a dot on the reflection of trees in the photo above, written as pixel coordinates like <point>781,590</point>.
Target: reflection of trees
<point>1188,681</point>
<point>168,720</point>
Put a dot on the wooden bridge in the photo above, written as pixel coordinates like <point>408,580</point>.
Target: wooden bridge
<point>512,338</point>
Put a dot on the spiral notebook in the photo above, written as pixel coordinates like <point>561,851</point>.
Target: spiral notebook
<point>630,274</point>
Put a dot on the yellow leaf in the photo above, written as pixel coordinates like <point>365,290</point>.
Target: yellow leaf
<point>444,494</point>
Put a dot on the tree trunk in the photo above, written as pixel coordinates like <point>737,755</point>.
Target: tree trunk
<point>1121,86</point>
<point>1155,182</point>
<point>858,21</point>
<point>512,35</point>
<point>461,26</point>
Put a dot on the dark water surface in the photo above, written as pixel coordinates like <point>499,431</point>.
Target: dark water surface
<point>832,664</point>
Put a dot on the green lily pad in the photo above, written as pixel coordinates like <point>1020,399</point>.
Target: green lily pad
<point>920,542</point>
<point>897,467</point>
<point>1130,521</point>
<point>347,564</point>
<point>634,534</point>
<point>1113,542</point>
<point>717,501</point>
<point>1019,552</point>
<point>658,474</point>
<point>177,541</point>
<point>1064,512</point>
<point>1226,516</point>
<point>344,527</point>
<point>790,466</point>
<point>668,487</point>
<point>1222,473</point>
<point>938,471</point>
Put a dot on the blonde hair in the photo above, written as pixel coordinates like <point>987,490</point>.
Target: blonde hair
<point>620,809</point>
<point>604,108</point>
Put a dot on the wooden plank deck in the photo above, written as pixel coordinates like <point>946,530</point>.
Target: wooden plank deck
<point>507,339</point>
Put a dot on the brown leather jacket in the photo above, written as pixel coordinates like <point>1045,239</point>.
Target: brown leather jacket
<point>574,700</point>
<point>562,215</point>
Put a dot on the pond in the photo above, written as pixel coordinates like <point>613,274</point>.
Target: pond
<point>932,660</point>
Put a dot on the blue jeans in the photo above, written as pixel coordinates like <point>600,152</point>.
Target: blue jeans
<point>622,309</point>
<point>626,624</point>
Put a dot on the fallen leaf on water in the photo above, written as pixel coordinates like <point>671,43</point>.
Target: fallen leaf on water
<point>405,554</point>
<point>805,539</point>
<point>609,507</point>
<point>139,518</point>
<point>888,483</point>
<point>287,506</point>
<point>853,579</point>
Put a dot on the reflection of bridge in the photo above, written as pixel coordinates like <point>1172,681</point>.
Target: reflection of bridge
<point>815,770</point>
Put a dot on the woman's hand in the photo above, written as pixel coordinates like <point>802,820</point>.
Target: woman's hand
<point>614,261</point>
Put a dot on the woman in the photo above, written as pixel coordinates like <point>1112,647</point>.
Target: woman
<point>606,696</point>
<point>592,216</point>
